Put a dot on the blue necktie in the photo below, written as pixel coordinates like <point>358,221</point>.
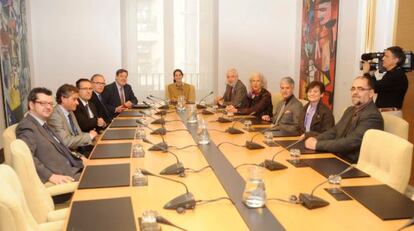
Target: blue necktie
<point>72,124</point>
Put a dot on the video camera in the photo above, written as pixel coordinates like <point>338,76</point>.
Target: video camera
<point>407,66</point>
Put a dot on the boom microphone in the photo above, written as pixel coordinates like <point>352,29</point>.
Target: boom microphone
<point>233,130</point>
<point>253,145</point>
<point>199,106</point>
<point>312,202</point>
<point>165,106</point>
<point>273,165</point>
<point>180,203</point>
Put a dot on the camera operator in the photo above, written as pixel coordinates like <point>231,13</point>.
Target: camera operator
<point>392,87</point>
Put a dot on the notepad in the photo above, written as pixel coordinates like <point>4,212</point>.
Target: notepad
<point>105,151</point>
<point>123,123</point>
<point>103,176</point>
<point>130,114</point>
<point>107,214</point>
<point>300,145</point>
<point>119,134</point>
<point>332,166</point>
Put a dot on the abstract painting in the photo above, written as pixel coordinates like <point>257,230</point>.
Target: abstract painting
<point>15,70</point>
<point>318,46</point>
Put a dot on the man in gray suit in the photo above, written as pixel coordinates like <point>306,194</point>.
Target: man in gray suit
<point>346,137</point>
<point>63,120</point>
<point>54,162</point>
<point>288,112</point>
<point>235,93</point>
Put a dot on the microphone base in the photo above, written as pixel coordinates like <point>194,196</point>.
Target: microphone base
<point>207,112</point>
<point>159,131</point>
<point>159,121</point>
<point>159,147</point>
<point>199,106</point>
<point>184,201</point>
<point>223,120</point>
<point>234,131</point>
<point>272,165</point>
<point>312,202</point>
<point>252,145</point>
<point>161,113</point>
<point>174,169</point>
<point>164,107</point>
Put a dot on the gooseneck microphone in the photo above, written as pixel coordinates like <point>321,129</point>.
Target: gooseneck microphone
<point>157,112</point>
<point>253,145</point>
<point>174,169</point>
<point>165,106</point>
<point>273,165</point>
<point>199,106</point>
<point>233,130</point>
<point>155,121</point>
<point>312,202</point>
<point>180,203</point>
<point>409,223</point>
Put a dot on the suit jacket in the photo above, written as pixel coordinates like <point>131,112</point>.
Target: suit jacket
<point>48,156</point>
<point>346,141</point>
<point>187,90</point>
<point>261,104</point>
<point>82,116</point>
<point>101,108</point>
<point>322,120</point>
<point>289,122</point>
<point>111,98</point>
<point>239,93</point>
<point>62,128</point>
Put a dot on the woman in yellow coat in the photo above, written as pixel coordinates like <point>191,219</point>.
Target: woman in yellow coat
<point>174,90</point>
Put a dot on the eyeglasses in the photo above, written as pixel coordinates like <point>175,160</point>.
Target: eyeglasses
<point>359,89</point>
<point>86,88</point>
<point>99,83</point>
<point>44,104</point>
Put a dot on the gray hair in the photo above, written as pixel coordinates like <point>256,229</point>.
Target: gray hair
<point>288,80</point>
<point>234,71</point>
<point>261,77</point>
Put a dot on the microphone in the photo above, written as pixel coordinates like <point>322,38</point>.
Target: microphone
<point>162,112</point>
<point>160,219</point>
<point>156,121</point>
<point>233,130</point>
<point>273,165</point>
<point>180,203</point>
<point>199,106</point>
<point>165,106</point>
<point>174,169</point>
<point>221,119</point>
<point>253,145</point>
<point>409,223</point>
<point>312,202</point>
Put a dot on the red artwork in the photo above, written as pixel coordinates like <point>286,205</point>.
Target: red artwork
<point>318,50</point>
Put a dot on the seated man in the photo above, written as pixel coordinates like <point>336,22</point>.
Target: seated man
<point>64,123</point>
<point>118,96</point>
<point>98,84</point>
<point>345,137</point>
<point>54,162</point>
<point>235,92</point>
<point>288,112</point>
<point>86,113</point>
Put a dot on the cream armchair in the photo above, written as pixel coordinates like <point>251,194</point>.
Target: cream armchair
<point>8,136</point>
<point>395,125</point>
<point>14,212</point>
<point>41,203</point>
<point>387,158</point>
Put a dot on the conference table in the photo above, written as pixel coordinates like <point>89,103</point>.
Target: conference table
<point>216,182</point>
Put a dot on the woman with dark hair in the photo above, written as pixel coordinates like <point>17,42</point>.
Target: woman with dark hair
<point>317,117</point>
<point>178,88</point>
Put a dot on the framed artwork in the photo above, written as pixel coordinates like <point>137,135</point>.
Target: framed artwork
<point>318,46</point>
<point>14,60</point>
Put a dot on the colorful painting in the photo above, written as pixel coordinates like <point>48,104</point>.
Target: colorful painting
<point>15,70</point>
<point>318,50</point>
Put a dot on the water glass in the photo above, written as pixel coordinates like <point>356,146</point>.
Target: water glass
<point>191,113</point>
<point>140,133</point>
<point>138,151</point>
<point>254,194</point>
<point>268,137</point>
<point>202,132</point>
<point>181,103</point>
<point>295,154</point>
<point>247,124</point>
<point>149,221</point>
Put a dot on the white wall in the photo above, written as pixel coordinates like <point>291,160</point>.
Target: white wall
<point>73,39</point>
<point>257,36</point>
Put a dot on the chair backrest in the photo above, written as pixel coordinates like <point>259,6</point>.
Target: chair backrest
<point>14,213</point>
<point>387,158</point>
<point>8,136</point>
<point>395,125</point>
<point>41,202</point>
<point>303,101</point>
<point>276,98</point>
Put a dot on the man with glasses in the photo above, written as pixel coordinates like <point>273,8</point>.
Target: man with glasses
<point>345,137</point>
<point>64,123</point>
<point>54,162</point>
<point>98,85</point>
<point>86,113</point>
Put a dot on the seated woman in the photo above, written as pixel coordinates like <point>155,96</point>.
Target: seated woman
<point>317,117</point>
<point>258,100</point>
<point>178,88</point>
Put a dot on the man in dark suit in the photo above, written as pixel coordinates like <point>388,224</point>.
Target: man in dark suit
<point>345,137</point>
<point>86,113</point>
<point>287,113</point>
<point>54,162</point>
<point>98,84</point>
<point>118,96</point>
<point>235,93</point>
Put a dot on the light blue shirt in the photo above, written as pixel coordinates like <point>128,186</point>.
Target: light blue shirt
<point>309,115</point>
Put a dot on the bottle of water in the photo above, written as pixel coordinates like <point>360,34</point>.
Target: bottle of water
<point>254,195</point>
<point>202,133</point>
